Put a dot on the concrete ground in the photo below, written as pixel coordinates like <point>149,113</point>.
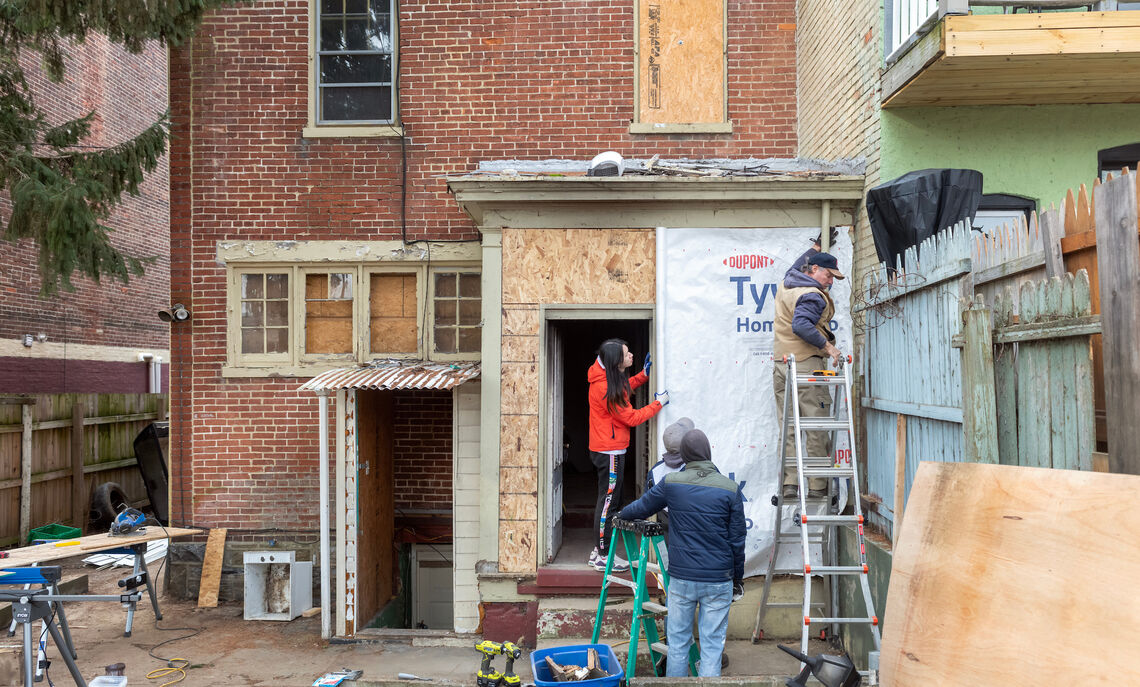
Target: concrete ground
<point>224,649</point>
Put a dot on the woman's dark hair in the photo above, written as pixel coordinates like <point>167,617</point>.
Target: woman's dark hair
<point>617,380</point>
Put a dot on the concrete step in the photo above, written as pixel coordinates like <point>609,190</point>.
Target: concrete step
<point>573,616</point>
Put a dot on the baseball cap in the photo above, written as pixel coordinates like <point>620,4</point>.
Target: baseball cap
<point>828,262</point>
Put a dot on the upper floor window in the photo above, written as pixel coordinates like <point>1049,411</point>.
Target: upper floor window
<point>355,62</point>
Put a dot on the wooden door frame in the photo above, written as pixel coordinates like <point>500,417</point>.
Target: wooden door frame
<point>555,312</point>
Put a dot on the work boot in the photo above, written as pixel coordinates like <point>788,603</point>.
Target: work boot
<point>791,491</point>
<point>817,493</point>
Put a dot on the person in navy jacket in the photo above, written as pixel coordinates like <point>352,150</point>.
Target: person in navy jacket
<point>706,552</point>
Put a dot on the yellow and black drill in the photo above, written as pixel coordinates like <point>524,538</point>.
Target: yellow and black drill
<point>488,676</point>
<point>512,652</point>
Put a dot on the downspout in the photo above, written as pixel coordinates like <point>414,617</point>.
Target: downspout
<point>326,614</point>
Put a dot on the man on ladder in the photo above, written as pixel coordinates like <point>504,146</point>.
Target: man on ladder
<point>808,415</point>
<point>802,328</point>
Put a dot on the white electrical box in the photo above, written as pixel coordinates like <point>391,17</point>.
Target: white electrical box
<point>277,585</point>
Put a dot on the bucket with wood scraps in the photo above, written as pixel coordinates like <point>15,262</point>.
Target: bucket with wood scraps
<point>588,665</point>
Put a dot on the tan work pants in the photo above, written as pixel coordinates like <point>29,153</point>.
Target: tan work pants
<point>815,401</point>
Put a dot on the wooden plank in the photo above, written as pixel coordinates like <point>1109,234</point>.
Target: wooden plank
<point>912,63</point>
<point>26,472</point>
<point>1099,462</point>
<point>979,408</point>
<point>1005,384</point>
<point>990,556</point>
<point>212,568</point>
<point>1063,41</point>
<point>79,500</point>
<point>1118,260</point>
<point>1039,20</point>
<point>45,553</point>
<point>1010,267</point>
<point>900,475</point>
<point>1052,230</point>
<point>926,410</point>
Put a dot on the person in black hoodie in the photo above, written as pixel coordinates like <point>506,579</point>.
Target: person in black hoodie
<point>706,552</point>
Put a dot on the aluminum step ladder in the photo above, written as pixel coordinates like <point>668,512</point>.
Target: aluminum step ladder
<point>638,538</point>
<point>818,529</point>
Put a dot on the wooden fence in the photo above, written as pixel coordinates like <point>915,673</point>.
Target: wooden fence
<point>988,348</point>
<point>46,440</point>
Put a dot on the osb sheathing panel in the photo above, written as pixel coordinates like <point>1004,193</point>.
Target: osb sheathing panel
<point>518,441</point>
<point>519,389</point>
<point>578,266</point>
<point>519,481</point>
<point>520,349</point>
<point>517,507</point>
<point>516,545</point>
<point>520,321</point>
<point>681,61</point>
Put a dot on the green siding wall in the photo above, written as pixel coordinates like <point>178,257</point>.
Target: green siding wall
<point>1035,151</point>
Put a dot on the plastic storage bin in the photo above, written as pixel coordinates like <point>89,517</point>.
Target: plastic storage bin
<point>576,655</point>
<point>108,681</point>
<point>54,531</point>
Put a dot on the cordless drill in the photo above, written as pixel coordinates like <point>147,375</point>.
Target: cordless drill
<point>488,676</point>
<point>512,652</point>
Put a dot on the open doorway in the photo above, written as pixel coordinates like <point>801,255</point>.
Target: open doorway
<point>405,505</point>
<point>572,484</point>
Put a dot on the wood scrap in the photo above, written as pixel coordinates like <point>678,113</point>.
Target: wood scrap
<point>211,578</point>
<point>575,673</point>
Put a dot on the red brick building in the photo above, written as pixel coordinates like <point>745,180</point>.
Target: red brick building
<point>327,214</point>
<point>90,341</point>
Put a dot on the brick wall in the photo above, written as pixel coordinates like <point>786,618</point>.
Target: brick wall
<point>422,456</point>
<point>840,58</point>
<point>128,93</point>
<point>521,79</point>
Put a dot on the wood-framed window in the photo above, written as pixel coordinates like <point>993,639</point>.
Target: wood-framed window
<point>457,323</point>
<point>288,319</point>
<point>264,317</point>
<point>353,74</point>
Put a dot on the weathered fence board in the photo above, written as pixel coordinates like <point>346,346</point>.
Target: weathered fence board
<point>38,462</point>
<point>1116,227</point>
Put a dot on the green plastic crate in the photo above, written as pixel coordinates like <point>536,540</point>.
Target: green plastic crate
<point>54,531</point>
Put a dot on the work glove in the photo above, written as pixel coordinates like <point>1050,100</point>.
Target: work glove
<point>833,234</point>
<point>737,590</point>
<point>662,396</point>
<point>648,364</point>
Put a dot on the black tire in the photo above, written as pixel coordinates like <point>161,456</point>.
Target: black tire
<point>107,501</point>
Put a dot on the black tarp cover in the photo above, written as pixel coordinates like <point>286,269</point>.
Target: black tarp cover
<point>908,210</point>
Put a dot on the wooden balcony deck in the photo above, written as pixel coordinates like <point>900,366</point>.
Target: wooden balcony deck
<point>1020,59</point>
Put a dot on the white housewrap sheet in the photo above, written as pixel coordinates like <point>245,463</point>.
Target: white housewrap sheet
<point>716,293</point>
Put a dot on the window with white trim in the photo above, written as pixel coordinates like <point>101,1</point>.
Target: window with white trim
<point>354,64</point>
<point>302,315</point>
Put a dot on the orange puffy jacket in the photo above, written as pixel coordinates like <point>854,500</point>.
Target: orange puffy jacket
<point>610,431</point>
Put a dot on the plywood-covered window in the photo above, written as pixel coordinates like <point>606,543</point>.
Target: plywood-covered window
<point>393,308</point>
<point>264,317</point>
<point>329,313</point>
<point>289,318</point>
<point>457,305</point>
<point>681,67</point>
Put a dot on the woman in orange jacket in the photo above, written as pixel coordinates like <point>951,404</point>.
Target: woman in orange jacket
<point>611,416</point>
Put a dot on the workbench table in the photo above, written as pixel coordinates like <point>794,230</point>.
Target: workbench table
<point>38,554</point>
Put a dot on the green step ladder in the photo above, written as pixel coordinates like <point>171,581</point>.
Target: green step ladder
<point>638,537</point>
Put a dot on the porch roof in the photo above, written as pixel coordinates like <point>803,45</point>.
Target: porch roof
<point>394,374</point>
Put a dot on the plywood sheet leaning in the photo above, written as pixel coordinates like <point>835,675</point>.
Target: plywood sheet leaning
<point>1008,575</point>
<point>211,578</point>
<point>681,61</point>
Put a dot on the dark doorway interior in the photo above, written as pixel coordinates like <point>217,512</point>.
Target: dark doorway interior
<point>580,340</point>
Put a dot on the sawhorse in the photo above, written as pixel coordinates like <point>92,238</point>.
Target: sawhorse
<point>45,604</point>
